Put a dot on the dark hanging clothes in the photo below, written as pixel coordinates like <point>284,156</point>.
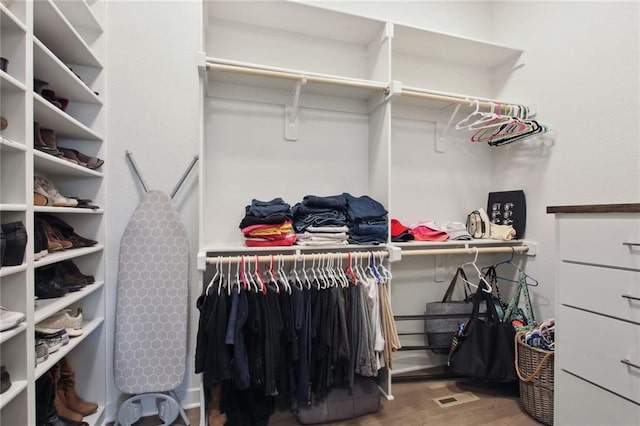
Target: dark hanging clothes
<point>212,355</point>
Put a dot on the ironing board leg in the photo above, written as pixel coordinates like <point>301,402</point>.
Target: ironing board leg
<point>182,412</point>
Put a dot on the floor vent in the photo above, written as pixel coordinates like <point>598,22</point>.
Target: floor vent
<point>455,399</point>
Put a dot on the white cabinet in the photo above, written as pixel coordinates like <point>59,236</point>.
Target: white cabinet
<point>62,43</point>
<point>598,315</point>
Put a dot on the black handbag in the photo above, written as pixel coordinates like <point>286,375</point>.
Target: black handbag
<point>15,240</point>
<point>484,348</point>
<point>443,318</point>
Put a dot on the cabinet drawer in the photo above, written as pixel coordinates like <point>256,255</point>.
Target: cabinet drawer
<point>600,290</point>
<point>579,403</point>
<point>592,346</point>
<point>601,239</point>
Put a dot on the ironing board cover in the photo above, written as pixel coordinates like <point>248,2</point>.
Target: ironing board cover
<point>152,299</point>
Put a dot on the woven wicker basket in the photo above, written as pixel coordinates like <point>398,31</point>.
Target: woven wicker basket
<point>535,370</point>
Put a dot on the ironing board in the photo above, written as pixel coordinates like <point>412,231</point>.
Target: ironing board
<point>151,309</point>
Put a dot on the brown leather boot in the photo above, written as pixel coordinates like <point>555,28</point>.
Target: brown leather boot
<point>67,384</point>
<point>59,402</point>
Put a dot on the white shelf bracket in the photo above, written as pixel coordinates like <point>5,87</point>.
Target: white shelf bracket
<point>201,261</point>
<point>533,247</point>
<point>440,138</point>
<point>291,113</point>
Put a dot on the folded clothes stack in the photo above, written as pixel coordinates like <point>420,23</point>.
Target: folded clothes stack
<point>428,230</point>
<point>367,220</point>
<point>268,223</point>
<point>321,221</point>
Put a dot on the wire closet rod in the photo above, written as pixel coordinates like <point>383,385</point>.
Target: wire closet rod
<point>295,76</point>
<point>224,260</point>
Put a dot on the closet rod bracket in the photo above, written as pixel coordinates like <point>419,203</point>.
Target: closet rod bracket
<point>395,253</point>
<point>201,261</point>
<point>291,112</point>
<point>533,247</point>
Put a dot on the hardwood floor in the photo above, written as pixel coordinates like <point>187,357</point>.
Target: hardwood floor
<point>414,405</point>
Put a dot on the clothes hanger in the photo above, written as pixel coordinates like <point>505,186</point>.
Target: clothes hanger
<point>215,275</point>
<point>487,287</point>
<point>282,276</point>
<point>530,281</point>
<point>342,272</point>
<point>230,285</point>
<point>271,276</point>
<point>385,271</point>
<point>459,124</point>
<point>354,278</point>
<point>221,283</point>
<point>263,285</point>
<point>373,269</point>
<point>294,272</point>
<point>489,119</point>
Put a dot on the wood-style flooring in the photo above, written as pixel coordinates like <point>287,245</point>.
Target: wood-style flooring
<point>414,405</point>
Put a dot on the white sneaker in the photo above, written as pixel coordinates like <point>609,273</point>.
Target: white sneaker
<point>9,319</point>
<point>62,319</point>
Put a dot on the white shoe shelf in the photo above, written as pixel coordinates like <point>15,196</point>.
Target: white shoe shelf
<point>62,43</point>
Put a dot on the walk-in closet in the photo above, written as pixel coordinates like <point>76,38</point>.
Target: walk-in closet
<point>335,166</point>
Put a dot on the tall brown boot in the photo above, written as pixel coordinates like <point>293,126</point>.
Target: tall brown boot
<point>59,401</point>
<point>67,384</point>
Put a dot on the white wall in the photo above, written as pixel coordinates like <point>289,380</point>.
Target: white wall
<point>152,111</point>
<point>581,69</point>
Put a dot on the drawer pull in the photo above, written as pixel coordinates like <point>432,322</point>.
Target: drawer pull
<point>628,296</point>
<point>629,363</point>
<point>631,244</point>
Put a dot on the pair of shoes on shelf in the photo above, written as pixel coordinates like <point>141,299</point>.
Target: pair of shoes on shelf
<point>67,402</point>
<point>42,352</point>
<point>40,245</point>
<point>53,281</point>
<point>63,232</point>
<point>54,241</point>
<point>10,319</point>
<point>39,86</point>
<point>45,140</point>
<point>74,271</point>
<point>5,379</point>
<point>50,95</point>
<point>13,243</point>
<point>52,197</point>
<point>54,339</point>
<point>4,64</point>
<point>4,123</point>
<point>47,401</point>
<point>82,159</point>
<point>62,320</point>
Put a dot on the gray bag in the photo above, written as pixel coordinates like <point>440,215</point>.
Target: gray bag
<point>443,318</point>
<point>343,403</point>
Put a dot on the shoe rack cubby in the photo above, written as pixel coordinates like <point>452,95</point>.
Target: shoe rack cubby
<point>62,43</point>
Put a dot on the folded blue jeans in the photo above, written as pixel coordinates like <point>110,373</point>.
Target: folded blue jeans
<point>364,208</point>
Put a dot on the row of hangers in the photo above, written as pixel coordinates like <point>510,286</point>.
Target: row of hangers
<point>486,272</point>
<point>326,270</point>
<point>502,124</point>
